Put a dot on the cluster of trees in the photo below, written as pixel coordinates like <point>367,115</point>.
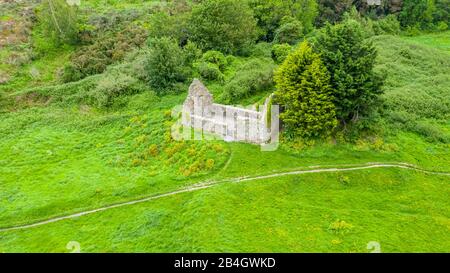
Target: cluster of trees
<point>412,14</point>
<point>425,14</point>
<point>230,26</point>
<point>329,81</point>
<point>325,82</point>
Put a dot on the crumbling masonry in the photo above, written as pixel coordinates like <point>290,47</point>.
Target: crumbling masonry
<point>228,122</point>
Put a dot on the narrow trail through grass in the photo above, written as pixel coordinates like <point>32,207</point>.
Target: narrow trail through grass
<point>209,184</point>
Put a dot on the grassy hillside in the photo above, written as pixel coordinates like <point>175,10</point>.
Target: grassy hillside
<point>61,154</point>
<point>404,211</point>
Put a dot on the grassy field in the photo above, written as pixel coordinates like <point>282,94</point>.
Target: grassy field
<point>339,212</point>
<point>59,155</point>
<point>437,40</point>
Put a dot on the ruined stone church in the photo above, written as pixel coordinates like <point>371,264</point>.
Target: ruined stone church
<point>228,122</point>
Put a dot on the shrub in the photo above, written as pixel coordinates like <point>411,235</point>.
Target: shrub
<point>210,71</point>
<point>252,77</point>
<point>224,25</point>
<point>331,11</point>
<point>112,86</point>
<point>270,14</point>
<point>417,13</point>
<point>442,12</point>
<point>106,50</point>
<point>192,53</point>
<point>261,50</point>
<point>153,150</point>
<point>216,58</point>
<point>280,52</point>
<point>387,25</point>
<point>59,21</point>
<point>175,25</point>
<point>290,32</point>
<point>413,30</point>
<point>209,164</point>
<point>3,101</point>
<point>442,26</point>
<point>340,227</point>
<point>165,64</point>
<point>211,66</point>
<point>304,93</point>
<point>143,101</point>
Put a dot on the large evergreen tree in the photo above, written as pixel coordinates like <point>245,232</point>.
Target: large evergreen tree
<point>350,59</point>
<point>304,93</point>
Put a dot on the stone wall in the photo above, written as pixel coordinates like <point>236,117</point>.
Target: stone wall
<point>228,122</point>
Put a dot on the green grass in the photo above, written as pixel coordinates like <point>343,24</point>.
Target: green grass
<point>437,40</point>
<point>63,156</point>
<point>402,210</point>
<point>56,161</point>
<point>417,90</point>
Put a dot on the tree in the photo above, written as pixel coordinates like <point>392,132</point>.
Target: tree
<point>280,52</point>
<point>417,13</point>
<point>332,10</point>
<point>442,12</point>
<point>224,25</point>
<point>290,32</point>
<point>172,21</point>
<point>165,64</point>
<point>270,13</point>
<point>60,20</point>
<point>350,59</point>
<point>303,91</point>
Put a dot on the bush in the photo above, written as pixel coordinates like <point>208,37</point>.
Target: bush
<point>143,101</point>
<point>261,50</point>
<point>270,14</point>
<point>290,32</point>
<point>442,12</point>
<point>387,25</point>
<point>280,52</point>
<point>304,92</point>
<point>59,21</point>
<point>210,71</point>
<point>442,26</point>
<point>164,25</point>
<point>211,66</point>
<point>430,131</point>
<point>413,30</point>
<point>215,57</point>
<point>165,64</point>
<point>112,86</point>
<point>192,53</point>
<point>224,25</point>
<point>106,50</point>
<point>3,101</point>
<point>417,13</point>
<point>252,77</point>
<point>331,11</point>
